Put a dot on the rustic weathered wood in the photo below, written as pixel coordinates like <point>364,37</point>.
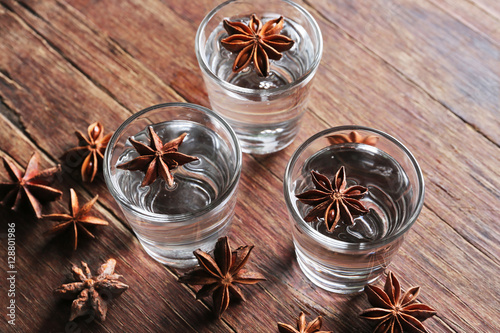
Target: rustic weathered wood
<point>64,64</point>
<point>457,66</point>
<point>468,13</point>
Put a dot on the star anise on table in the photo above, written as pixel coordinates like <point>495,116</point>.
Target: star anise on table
<point>92,292</point>
<point>256,43</point>
<point>90,150</point>
<point>353,137</point>
<point>77,219</point>
<point>31,187</point>
<point>302,326</point>
<point>394,313</point>
<point>157,159</point>
<point>220,274</point>
<point>334,200</point>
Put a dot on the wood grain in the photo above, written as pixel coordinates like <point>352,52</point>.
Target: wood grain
<point>430,48</point>
<point>64,64</point>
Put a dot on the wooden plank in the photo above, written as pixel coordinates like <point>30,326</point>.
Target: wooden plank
<point>97,56</point>
<point>260,214</point>
<point>491,7</point>
<point>155,36</point>
<point>457,66</point>
<point>473,16</point>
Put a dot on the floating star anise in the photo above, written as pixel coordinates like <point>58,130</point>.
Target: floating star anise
<point>90,150</point>
<point>219,274</point>
<point>353,137</point>
<point>78,219</point>
<point>92,292</point>
<point>394,313</point>
<point>157,159</point>
<point>334,200</point>
<point>256,43</point>
<point>302,326</point>
<point>31,187</point>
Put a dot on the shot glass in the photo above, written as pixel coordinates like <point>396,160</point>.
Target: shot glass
<point>345,258</point>
<point>173,221</point>
<point>265,112</point>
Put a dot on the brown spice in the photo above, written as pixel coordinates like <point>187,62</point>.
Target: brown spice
<point>302,326</point>
<point>90,150</point>
<point>333,199</point>
<point>395,313</point>
<point>353,137</point>
<point>220,274</point>
<point>157,160</point>
<point>256,43</point>
<point>32,187</point>
<point>78,218</point>
<point>92,292</point>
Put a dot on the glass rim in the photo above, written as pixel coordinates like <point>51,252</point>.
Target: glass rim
<point>157,218</point>
<point>338,244</point>
<point>249,91</point>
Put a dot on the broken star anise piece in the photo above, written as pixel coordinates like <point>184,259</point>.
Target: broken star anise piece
<point>31,187</point>
<point>334,200</point>
<point>354,137</point>
<point>302,326</point>
<point>394,313</point>
<point>77,219</point>
<point>90,150</point>
<point>157,159</point>
<point>256,43</point>
<point>220,274</point>
<point>92,292</point>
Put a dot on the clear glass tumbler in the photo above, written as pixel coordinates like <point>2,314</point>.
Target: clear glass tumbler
<point>349,256</point>
<point>265,112</point>
<point>173,221</point>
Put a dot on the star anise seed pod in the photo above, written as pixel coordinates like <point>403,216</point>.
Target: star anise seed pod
<point>220,274</point>
<point>92,292</point>
<point>353,137</point>
<point>157,159</point>
<point>90,150</point>
<point>77,219</point>
<point>394,313</point>
<point>256,43</point>
<point>302,326</point>
<point>334,200</point>
<point>32,186</point>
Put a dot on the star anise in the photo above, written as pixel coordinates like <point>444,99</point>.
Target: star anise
<point>157,159</point>
<point>256,43</point>
<point>353,137</point>
<point>90,150</point>
<point>77,219</point>
<point>394,313</point>
<point>334,200</point>
<point>302,326</point>
<point>218,275</point>
<point>92,292</point>
<point>31,187</point>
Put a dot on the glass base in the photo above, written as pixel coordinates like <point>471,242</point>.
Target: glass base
<point>255,140</point>
<point>262,147</point>
<point>180,256</point>
<point>337,280</point>
<point>172,262</point>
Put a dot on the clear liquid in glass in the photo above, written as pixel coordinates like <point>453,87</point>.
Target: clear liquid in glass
<point>267,118</point>
<point>352,263</point>
<point>190,219</point>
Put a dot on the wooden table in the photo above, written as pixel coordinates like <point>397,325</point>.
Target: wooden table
<point>425,71</point>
